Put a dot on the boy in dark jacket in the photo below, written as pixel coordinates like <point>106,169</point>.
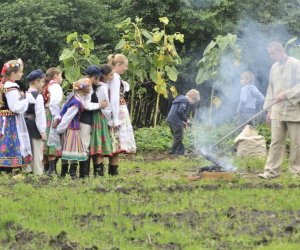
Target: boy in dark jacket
<point>178,120</point>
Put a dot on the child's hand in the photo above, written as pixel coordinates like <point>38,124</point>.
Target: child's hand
<point>55,123</point>
<point>103,104</point>
<point>184,124</point>
<point>44,137</point>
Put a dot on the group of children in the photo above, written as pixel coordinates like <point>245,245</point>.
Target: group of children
<point>92,123</point>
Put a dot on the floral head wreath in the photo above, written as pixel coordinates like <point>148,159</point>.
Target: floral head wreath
<point>11,65</point>
<point>82,84</point>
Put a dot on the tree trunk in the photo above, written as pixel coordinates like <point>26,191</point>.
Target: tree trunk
<point>156,110</point>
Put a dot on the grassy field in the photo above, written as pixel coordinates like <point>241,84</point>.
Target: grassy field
<point>152,205</point>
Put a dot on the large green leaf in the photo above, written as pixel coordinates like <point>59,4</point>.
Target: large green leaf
<point>93,59</point>
<point>146,34</point>
<point>202,75</point>
<point>157,36</point>
<point>66,53</point>
<point>172,73</point>
<point>211,45</point>
<point>124,23</point>
<point>89,41</point>
<point>72,74</point>
<point>153,75</point>
<point>120,44</point>
<point>72,36</point>
<point>164,20</point>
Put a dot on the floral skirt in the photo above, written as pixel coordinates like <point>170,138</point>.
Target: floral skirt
<point>72,147</point>
<point>50,150</point>
<point>10,155</point>
<point>122,137</point>
<point>100,139</point>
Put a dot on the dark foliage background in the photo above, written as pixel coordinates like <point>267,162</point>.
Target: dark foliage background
<point>36,30</point>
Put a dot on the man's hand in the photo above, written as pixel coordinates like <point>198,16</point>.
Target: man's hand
<point>44,136</point>
<point>280,97</point>
<point>103,104</point>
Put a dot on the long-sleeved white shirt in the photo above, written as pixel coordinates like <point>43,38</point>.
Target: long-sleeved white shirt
<point>56,95</point>
<point>102,95</point>
<point>87,104</point>
<point>67,118</point>
<point>40,115</point>
<point>114,87</point>
<point>14,101</point>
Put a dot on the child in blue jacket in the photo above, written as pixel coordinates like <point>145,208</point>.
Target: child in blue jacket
<point>178,120</point>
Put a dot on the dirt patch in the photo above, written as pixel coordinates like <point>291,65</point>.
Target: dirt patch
<point>264,226</point>
<point>85,220</point>
<point>61,241</point>
<point>19,238</point>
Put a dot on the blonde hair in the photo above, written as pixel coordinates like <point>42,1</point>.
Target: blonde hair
<point>194,94</point>
<point>12,66</point>
<point>249,76</point>
<point>116,59</point>
<point>82,84</point>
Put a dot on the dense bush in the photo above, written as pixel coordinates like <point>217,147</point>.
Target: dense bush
<point>159,139</point>
<point>199,136</point>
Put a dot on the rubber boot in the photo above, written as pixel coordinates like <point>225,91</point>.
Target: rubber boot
<point>64,169</point>
<point>52,168</point>
<point>46,167</point>
<point>99,169</point>
<point>113,169</point>
<point>84,168</point>
<point>73,170</point>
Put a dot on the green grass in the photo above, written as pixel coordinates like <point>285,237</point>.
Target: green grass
<point>151,205</point>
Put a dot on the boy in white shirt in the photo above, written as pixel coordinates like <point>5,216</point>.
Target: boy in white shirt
<point>35,119</point>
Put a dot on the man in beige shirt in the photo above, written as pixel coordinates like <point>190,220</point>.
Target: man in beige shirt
<point>284,89</point>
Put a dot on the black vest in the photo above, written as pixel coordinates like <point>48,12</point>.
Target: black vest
<point>86,116</point>
<point>30,119</point>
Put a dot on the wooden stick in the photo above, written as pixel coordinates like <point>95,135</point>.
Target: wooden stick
<point>245,123</point>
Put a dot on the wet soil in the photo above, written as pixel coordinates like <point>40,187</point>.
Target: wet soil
<point>18,237</point>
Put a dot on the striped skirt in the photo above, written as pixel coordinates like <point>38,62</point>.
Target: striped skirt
<point>50,150</point>
<point>100,139</point>
<point>72,147</point>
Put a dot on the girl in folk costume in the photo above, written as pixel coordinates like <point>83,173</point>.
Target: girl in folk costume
<point>101,144</point>
<point>72,147</point>
<point>121,132</point>
<point>93,73</point>
<point>53,95</point>
<point>15,150</point>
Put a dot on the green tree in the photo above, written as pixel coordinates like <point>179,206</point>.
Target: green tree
<point>211,62</point>
<point>76,57</point>
<point>151,55</point>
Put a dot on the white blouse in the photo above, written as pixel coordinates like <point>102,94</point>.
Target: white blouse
<point>40,115</point>
<point>102,95</point>
<point>114,87</point>
<point>56,95</point>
